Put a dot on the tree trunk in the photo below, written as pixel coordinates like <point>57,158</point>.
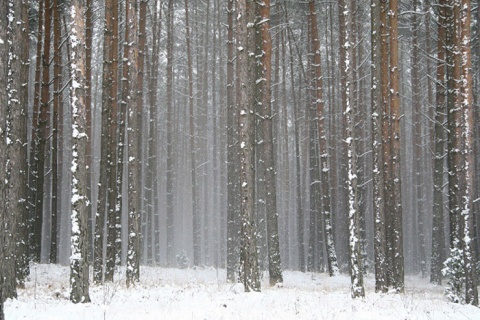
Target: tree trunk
<point>78,261</point>
<point>467,232</point>
<point>113,133</point>
<point>3,150</point>
<point>233,205</point>
<point>33,155</point>
<point>57,100</point>
<point>169,103</point>
<point>134,114</point>
<point>356,269</point>
<point>245,10</point>
<point>19,158</point>
<point>438,237</point>
<point>377,71</point>
<point>274,261</point>
<point>397,229</point>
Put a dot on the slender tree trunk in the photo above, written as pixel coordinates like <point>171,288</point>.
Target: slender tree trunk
<point>19,158</point>
<point>438,237</point>
<point>356,269</point>
<point>233,205</point>
<point>245,10</point>
<point>57,100</point>
<point>134,68</point>
<point>79,282</point>
<point>88,105</point>
<point>3,150</point>
<point>377,129</point>
<point>468,242</point>
<point>112,146</point>
<point>169,103</point>
<point>34,141</point>
<point>397,231</point>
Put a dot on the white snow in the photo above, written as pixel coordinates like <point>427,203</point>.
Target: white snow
<point>204,294</point>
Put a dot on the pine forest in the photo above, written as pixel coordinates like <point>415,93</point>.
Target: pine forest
<point>257,137</point>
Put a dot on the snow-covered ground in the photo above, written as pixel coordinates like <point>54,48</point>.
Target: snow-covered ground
<point>204,294</point>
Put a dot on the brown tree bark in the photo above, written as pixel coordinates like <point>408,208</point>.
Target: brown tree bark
<point>233,202</point>
<point>19,158</point>
<point>112,149</point>
<point>3,151</point>
<point>395,113</point>
<point>57,101</point>
<point>79,292</point>
<point>467,222</point>
<point>245,10</point>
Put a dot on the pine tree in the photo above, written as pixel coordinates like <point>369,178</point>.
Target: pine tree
<point>233,202</point>
<point>19,132</point>
<point>356,269</point>
<point>170,160</point>
<point>134,113</point>
<point>377,117</point>
<point>79,281</point>
<point>245,107</point>
<point>3,148</point>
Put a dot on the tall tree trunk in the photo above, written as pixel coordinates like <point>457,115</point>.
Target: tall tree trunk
<point>33,154</point>
<point>169,102</point>
<point>467,232</point>
<point>397,229</point>
<point>19,158</point>
<point>88,105</point>
<point>135,68</point>
<point>57,100</point>
<point>233,203</point>
<point>356,269</point>
<point>3,151</point>
<point>113,133</point>
<point>274,261</point>
<point>438,237</point>
<point>377,86</point>
<point>78,261</point>
<point>245,10</point>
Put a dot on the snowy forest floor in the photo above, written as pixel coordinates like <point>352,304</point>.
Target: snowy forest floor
<point>204,294</point>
